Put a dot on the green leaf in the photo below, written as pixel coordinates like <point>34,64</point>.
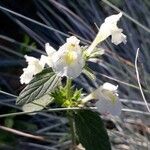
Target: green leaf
<point>38,104</point>
<point>91,131</point>
<point>42,84</point>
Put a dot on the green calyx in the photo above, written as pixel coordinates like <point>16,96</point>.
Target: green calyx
<point>67,96</point>
<point>96,53</point>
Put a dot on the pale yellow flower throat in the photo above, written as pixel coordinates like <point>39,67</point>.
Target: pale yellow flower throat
<point>70,56</point>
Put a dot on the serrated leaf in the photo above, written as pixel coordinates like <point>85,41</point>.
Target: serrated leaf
<point>38,104</point>
<point>91,131</point>
<point>42,84</point>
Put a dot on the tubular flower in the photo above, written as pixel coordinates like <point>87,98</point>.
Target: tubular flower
<point>68,60</point>
<point>109,27</point>
<point>108,101</point>
<point>34,66</point>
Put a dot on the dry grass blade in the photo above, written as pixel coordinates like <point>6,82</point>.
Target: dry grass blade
<point>138,79</point>
<point>32,20</point>
<point>48,110</point>
<point>20,133</point>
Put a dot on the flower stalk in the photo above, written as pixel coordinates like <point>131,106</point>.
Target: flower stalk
<point>70,115</point>
<point>72,129</point>
<point>69,81</point>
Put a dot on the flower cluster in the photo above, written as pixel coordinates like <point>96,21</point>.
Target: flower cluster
<point>69,60</point>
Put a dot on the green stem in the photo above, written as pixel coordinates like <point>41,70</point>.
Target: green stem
<point>70,115</point>
<point>72,130</point>
<point>69,81</point>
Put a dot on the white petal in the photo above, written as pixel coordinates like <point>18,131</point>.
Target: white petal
<point>43,60</point>
<point>49,49</point>
<point>118,37</point>
<point>50,52</point>
<point>26,77</point>
<point>31,59</point>
<point>73,70</point>
<point>80,147</point>
<point>109,27</point>
<point>46,60</point>
<point>34,67</point>
<point>105,106</point>
<point>73,40</point>
<point>109,87</point>
<point>104,32</point>
<point>58,66</point>
<point>113,18</point>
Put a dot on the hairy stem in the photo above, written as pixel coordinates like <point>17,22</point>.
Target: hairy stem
<point>72,129</point>
<point>69,81</point>
<point>70,115</point>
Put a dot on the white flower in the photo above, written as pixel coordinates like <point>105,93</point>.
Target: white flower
<point>108,101</point>
<point>34,66</point>
<point>109,27</point>
<point>68,60</point>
